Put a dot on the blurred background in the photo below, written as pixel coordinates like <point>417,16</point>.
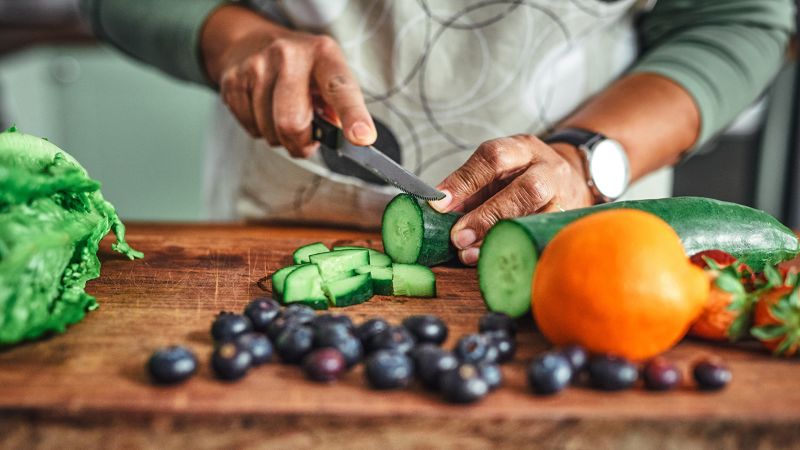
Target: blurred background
<point>118,117</point>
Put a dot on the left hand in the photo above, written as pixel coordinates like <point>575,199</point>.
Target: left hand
<point>511,177</point>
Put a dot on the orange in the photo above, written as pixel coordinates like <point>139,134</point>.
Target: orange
<point>617,282</point>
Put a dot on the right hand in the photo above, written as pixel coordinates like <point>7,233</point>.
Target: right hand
<point>268,74</point>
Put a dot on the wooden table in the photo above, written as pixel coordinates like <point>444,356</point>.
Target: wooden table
<point>88,387</point>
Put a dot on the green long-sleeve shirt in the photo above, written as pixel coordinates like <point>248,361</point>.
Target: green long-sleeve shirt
<point>723,52</point>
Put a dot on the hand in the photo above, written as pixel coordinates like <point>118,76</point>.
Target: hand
<point>268,74</point>
<point>511,177</point>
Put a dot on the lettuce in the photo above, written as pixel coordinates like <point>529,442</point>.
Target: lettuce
<point>52,218</point>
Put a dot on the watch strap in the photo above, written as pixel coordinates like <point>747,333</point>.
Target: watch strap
<point>577,137</point>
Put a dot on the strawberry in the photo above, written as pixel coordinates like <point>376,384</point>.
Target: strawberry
<point>726,315</point>
<point>722,258</point>
<point>777,319</point>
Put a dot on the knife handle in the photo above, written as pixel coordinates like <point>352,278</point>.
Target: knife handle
<point>326,133</point>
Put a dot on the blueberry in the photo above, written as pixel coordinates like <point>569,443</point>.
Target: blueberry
<point>367,330</point>
<point>475,348</point>
<point>294,343</point>
<point>430,361</point>
<point>172,364</point>
<point>463,384</point>
<point>392,338</point>
<point>279,324</point>
<point>228,325</point>
<point>612,373</point>
<point>711,375</point>
<point>324,320</point>
<point>660,374</point>
<point>491,374</point>
<point>577,357</point>
<point>231,362</point>
<point>549,373</point>
<point>426,328</point>
<point>261,311</point>
<point>303,314</point>
<point>506,345</point>
<point>324,364</point>
<point>258,345</point>
<point>496,321</point>
<point>338,337</point>
<point>389,369</point>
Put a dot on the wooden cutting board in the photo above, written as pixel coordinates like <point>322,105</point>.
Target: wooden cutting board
<point>88,387</point>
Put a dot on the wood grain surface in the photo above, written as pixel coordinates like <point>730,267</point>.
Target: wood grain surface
<point>88,387</point>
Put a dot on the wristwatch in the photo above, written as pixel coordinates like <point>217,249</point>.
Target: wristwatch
<point>607,169</point>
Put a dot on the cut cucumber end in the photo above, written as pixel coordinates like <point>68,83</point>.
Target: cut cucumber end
<point>304,285</point>
<point>505,268</point>
<point>413,280</point>
<point>279,279</point>
<point>302,254</point>
<point>349,291</point>
<point>402,229</point>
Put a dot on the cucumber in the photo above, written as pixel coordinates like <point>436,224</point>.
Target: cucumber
<point>413,232</point>
<point>376,258</point>
<point>413,280</point>
<point>509,251</point>
<point>349,291</point>
<point>304,285</point>
<point>279,279</point>
<point>340,264</point>
<point>301,255</point>
<point>381,279</point>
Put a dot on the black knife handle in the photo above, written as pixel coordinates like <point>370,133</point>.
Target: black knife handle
<point>326,133</point>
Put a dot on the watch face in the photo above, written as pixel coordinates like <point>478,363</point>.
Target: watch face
<point>609,168</point>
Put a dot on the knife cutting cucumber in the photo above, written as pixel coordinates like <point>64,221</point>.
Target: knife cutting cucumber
<point>509,252</point>
<point>413,232</point>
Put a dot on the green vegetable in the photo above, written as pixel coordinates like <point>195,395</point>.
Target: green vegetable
<point>349,291</point>
<point>340,264</point>
<point>381,278</point>
<point>279,280</point>
<point>376,258</point>
<point>413,280</point>
<point>509,251</point>
<point>52,218</point>
<point>304,284</point>
<point>413,232</point>
<point>302,254</point>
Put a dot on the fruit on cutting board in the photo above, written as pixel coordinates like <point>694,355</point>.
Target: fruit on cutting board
<point>617,282</point>
<point>776,320</point>
<point>414,233</point>
<point>726,314</point>
<point>510,250</point>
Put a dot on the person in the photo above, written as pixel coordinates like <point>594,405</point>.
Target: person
<point>510,107</point>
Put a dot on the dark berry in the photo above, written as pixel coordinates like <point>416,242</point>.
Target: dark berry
<point>392,338</point>
<point>172,364</point>
<point>711,375</point>
<point>231,362</point>
<point>367,330</point>
<point>324,320</point>
<point>228,325</point>
<point>475,348</point>
<point>294,343</point>
<point>261,312</point>
<point>430,361</point>
<point>463,384</point>
<point>491,374</point>
<point>258,345</point>
<point>506,345</point>
<point>324,364</point>
<point>661,375</point>
<point>279,324</point>
<point>303,314</point>
<point>496,321</point>
<point>612,373</point>
<point>549,373</point>
<point>426,328</point>
<point>389,369</point>
<point>577,357</point>
<point>338,337</point>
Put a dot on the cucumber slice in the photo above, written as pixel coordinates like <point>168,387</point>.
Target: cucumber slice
<point>301,254</point>
<point>413,232</point>
<point>413,280</point>
<point>340,264</point>
<point>381,279</point>
<point>505,268</point>
<point>279,279</point>
<point>376,258</point>
<point>349,291</point>
<point>304,285</point>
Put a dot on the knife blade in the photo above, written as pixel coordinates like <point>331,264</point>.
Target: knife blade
<point>331,138</point>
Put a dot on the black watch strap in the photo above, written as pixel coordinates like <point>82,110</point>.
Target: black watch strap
<point>574,136</point>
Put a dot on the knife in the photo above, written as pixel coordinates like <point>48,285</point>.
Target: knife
<point>331,138</point>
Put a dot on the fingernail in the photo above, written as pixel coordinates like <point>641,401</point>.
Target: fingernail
<point>464,238</point>
<point>470,256</point>
<point>441,205</point>
<point>362,132</point>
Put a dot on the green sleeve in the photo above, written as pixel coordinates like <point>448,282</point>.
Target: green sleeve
<point>163,33</point>
<point>724,53</point>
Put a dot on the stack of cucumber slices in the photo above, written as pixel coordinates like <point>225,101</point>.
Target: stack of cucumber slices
<point>345,276</point>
